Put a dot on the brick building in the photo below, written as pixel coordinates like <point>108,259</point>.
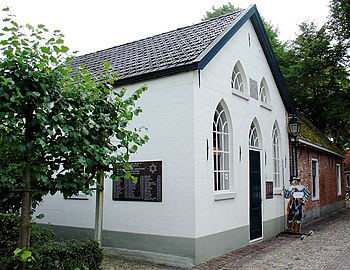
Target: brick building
<point>347,168</point>
<point>320,167</point>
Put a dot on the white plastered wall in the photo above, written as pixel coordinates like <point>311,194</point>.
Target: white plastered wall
<point>212,215</point>
<point>168,116</point>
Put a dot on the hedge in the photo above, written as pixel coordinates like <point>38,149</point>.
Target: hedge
<point>72,254</point>
<point>85,254</point>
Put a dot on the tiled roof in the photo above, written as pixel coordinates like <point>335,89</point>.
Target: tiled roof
<point>161,52</point>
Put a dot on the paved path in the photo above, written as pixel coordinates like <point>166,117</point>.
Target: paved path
<point>328,248</point>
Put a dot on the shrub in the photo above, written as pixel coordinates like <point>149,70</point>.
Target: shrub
<point>72,254</point>
<point>8,233</point>
<point>9,238</point>
<point>40,236</point>
<point>67,255</point>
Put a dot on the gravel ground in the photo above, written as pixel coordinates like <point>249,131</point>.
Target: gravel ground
<point>323,250</point>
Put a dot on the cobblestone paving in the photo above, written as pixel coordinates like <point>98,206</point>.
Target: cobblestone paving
<point>328,248</point>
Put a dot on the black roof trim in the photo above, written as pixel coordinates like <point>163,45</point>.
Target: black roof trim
<point>217,47</point>
<point>156,74</point>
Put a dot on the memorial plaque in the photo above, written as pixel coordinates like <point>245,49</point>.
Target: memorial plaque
<point>148,186</point>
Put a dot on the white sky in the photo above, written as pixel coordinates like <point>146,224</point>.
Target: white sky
<point>91,25</point>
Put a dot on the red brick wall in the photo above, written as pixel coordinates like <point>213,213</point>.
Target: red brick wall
<point>327,175</point>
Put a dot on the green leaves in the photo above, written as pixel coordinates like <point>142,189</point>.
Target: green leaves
<point>66,127</point>
<point>45,49</point>
<point>317,78</point>
<point>24,255</point>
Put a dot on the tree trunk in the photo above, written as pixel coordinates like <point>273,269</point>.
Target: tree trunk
<point>26,207</point>
<point>99,208</point>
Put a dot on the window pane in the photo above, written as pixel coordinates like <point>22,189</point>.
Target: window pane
<point>314,179</point>
<point>226,161</point>
<point>226,178</point>
<point>225,142</point>
<point>221,180</point>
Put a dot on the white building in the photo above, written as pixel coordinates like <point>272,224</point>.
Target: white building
<point>216,111</point>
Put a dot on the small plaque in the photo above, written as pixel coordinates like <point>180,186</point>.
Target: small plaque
<point>148,186</point>
<point>269,190</point>
<point>253,89</point>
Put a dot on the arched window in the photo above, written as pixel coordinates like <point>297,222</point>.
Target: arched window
<point>253,136</point>
<point>263,92</point>
<point>276,152</point>
<point>221,150</point>
<point>238,78</point>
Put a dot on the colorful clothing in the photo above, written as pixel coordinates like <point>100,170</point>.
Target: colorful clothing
<point>297,195</point>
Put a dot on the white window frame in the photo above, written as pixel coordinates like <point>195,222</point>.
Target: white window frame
<point>237,82</point>
<point>263,92</point>
<point>276,157</point>
<point>254,136</point>
<point>239,85</point>
<point>221,150</point>
<point>338,176</point>
<point>264,95</point>
<point>315,191</point>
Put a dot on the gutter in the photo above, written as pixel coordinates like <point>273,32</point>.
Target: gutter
<point>156,74</point>
<point>321,148</point>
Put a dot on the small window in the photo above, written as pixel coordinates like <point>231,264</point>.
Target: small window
<point>237,79</point>
<point>315,179</point>
<point>276,157</point>
<point>338,175</point>
<point>263,92</point>
<point>348,180</point>
<point>253,136</point>
<point>221,150</point>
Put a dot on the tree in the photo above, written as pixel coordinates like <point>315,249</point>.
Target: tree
<point>318,81</point>
<point>339,25</point>
<point>59,127</point>
<point>216,12</point>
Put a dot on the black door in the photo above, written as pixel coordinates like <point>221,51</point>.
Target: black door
<point>255,195</point>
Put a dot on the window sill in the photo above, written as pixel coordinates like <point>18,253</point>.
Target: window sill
<point>240,94</point>
<point>266,106</point>
<point>219,196</point>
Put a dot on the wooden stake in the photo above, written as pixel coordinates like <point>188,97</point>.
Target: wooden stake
<point>99,208</point>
